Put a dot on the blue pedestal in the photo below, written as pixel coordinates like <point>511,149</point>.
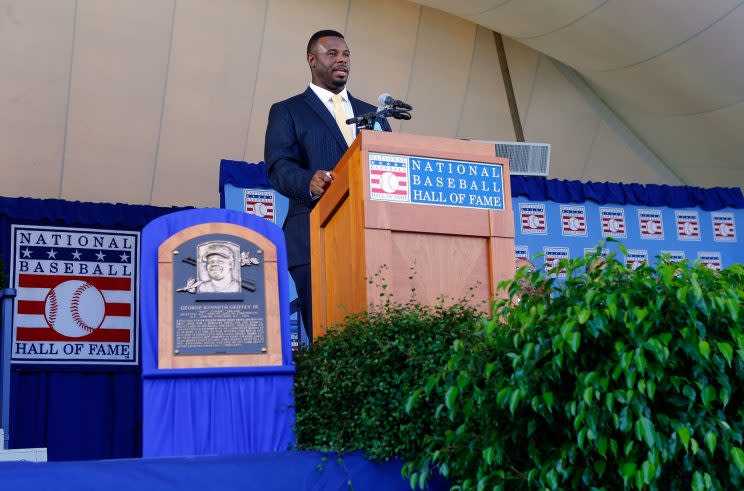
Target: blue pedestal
<point>212,411</point>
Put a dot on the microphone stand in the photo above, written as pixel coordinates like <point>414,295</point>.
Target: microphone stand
<point>367,121</point>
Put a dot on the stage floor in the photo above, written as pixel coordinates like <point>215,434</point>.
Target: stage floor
<point>285,471</point>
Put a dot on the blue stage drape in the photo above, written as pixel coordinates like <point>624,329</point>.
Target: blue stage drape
<point>81,411</point>
<point>239,174</point>
<point>559,191</point>
<point>535,188</point>
<point>94,412</point>
<point>216,410</point>
<point>288,471</point>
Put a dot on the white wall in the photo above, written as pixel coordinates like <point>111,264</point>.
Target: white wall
<point>137,101</point>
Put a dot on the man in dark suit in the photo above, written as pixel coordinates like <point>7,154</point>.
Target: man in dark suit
<point>305,138</point>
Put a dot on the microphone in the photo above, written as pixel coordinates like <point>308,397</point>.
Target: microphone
<point>360,119</point>
<point>386,99</point>
<point>373,120</point>
<point>400,114</point>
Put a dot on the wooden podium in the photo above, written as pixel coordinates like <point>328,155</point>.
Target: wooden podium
<point>439,250</point>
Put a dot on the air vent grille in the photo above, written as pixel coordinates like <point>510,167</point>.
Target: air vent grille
<point>525,159</point>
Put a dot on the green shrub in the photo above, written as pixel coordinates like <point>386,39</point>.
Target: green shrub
<point>351,385</point>
<point>610,379</point>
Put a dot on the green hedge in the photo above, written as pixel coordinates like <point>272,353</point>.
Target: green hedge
<point>351,385</point>
<point>611,379</point>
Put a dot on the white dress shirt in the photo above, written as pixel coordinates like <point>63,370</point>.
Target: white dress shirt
<point>326,97</point>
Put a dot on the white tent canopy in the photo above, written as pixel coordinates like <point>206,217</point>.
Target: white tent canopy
<point>672,70</point>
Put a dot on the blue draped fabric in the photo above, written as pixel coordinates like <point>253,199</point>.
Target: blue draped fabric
<point>213,410</point>
<point>542,189</point>
<point>242,175</point>
<point>59,211</point>
<point>76,411</point>
<point>77,415</point>
<point>288,471</point>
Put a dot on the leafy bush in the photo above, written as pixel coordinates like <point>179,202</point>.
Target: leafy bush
<point>610,379</point>
<point>351,384</point>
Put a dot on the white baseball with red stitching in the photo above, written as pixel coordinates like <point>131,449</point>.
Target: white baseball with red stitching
<point>75,308</point>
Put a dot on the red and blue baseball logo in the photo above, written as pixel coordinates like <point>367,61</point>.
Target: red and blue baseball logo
<point>674,256</point>
<point>553,257</point>
<point>389,177</point>
<point>573,221</point>
<point>521,252</point>
<point>635,258</point>
<point>724,227</point>
<point>612,221</point>
<point>76,295</point>
<point>650,224</point>
<point>260,203</point>
<point>532,218</point>
<point>688,225</point>
<point>711,260</point>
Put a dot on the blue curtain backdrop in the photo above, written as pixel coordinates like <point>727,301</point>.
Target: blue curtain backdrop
<point>559,191</point>
<point>84,411</point>
<point>288,471</point>
<point>239,174</point>
<point>215,411</point>
<point>94,412</point>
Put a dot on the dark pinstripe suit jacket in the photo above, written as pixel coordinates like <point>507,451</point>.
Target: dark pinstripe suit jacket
<point>302,137</point>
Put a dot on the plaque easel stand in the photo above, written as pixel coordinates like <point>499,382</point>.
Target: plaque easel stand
<point>213,404</point>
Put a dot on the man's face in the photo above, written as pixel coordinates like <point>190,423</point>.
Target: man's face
<point>218,267</point>
<point>330,62</point>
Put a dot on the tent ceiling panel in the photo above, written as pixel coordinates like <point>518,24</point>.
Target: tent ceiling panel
<point>673,70</point>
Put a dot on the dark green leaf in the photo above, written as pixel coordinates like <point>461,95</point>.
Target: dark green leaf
<point>514,400</point>
<point>708,394</point>
<point>684,436</point>
<point>737,456</point>
<point>574,340</point>
<point>697,482</point>
<point>628,470</point>
<point>704,349</point>
<point>647,470</point>
<point>451,397</point>
<point>726,350</point>
<point>710,441</point>
<point>648,432</point>
<point>548,399</point>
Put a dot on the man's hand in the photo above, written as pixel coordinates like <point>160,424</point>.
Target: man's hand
<point>320,181</point>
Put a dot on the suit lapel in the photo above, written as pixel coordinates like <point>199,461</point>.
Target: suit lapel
<point>312,100</point>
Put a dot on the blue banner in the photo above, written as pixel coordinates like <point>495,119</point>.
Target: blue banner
<point>559,231</point>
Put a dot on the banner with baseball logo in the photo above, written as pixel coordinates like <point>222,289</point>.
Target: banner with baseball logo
<point>76,295</point>
<point>577,228</point>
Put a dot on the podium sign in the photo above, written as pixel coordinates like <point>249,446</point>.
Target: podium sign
<point>430,181</point>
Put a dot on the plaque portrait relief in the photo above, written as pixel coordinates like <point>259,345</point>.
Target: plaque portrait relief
<point>218,270</point>
<point>218,298</point>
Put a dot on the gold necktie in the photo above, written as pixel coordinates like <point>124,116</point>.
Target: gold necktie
<point>340,115</point>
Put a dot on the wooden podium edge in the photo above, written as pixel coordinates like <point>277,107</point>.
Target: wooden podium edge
<point>346,185</point>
